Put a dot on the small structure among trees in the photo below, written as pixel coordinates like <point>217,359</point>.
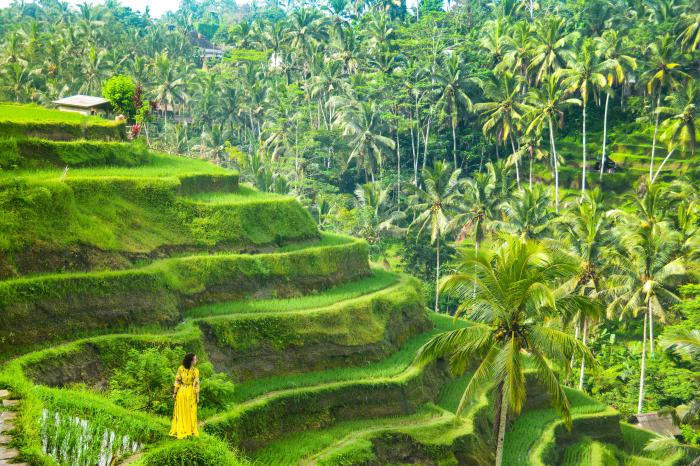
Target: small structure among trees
<point>85,104</point>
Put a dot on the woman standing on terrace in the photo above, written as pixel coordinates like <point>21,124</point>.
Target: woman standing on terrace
<point>186,396</point>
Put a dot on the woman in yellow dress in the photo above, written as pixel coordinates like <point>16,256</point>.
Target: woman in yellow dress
<point>186,396</point>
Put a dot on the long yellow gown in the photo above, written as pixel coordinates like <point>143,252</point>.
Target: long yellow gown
<point>185,413</point>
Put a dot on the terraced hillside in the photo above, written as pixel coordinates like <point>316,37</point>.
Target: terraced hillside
<point>112,266</point>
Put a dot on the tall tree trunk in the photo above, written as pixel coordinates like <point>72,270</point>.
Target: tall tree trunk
<point>517,170</point>
<point>642,372</point>
<point>476,253</point>
<point>605,135</point>
<point>583,167</point>
<point>653,142</point>
<point>425,141</point>
<point>651,332</point>
<point>503,418</point>
<point>583,360</point>
<point>437,276</point>
<point>398,167</point>
<point>454,145</point>
<point>556,165</point>
<point>530,176</point>
<point>658,171</point>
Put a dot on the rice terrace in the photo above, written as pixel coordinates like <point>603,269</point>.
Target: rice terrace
<point>350,233</point>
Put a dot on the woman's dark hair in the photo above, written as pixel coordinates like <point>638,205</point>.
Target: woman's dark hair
<point>187,361</point>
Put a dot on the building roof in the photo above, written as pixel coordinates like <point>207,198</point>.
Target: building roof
<point>82,101</point>
<point>662,424</point>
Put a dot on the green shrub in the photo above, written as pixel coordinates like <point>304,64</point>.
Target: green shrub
<point>203,451</point>
<point>145,383</point>
<point>120,90</point>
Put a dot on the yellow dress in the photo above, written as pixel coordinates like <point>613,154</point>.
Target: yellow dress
<point>185,412</point>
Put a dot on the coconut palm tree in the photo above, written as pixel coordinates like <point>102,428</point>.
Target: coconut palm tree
<point>587,239</point>
<point>528,213</point>
<point>551,46</point>
<point>361,122</point>
<point>547,102</point>
<point>646,264</point>
<point>680,129</point>
<point>434,204</point>
<point>479,206</point>
<point>507,294</point>
<point>585,74</point>
<point>170,87</point>
<point>690,37</point>
<point>376,216</point>
<point>618,65</point>
<point>503,109</point>
<point>453,96</point>
<point>531,146</point>
<point>663,74</point>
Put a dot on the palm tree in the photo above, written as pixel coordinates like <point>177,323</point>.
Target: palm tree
<point>503,110</point>
<point>434,204</point>
<point>452,95</point>
<point>584,75</point>
<point>680,129</point>
<point>662,75</point>
<point>587,239</point>
<point>361,122</point>
<point>479,206</point>
<point>547,102</point>
<point>647,264</point>
<point>170,87</point>
<point>531,145</point>
<point>507,294</point>
<point>494,39</point>
<point>528,213</point>
<point>618,65</point>
<point>551,46</point>
<point>376,217</point>
<point>95,69</point>
<point>690,37</point>
<point>519,49</point>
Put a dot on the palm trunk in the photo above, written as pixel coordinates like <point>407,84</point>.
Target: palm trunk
<point>668,156</point>
<point>642,372</point>
<point>454,145</point>
<point>605,136</point>
<point>437,276</point>
<point>651,333</point>
<point>583,360</point>
<point>476,253</point>
<point>653,142</point>
<point>530,176</point>
<point>517,170</point>
<point>583,167</point>
<point>398,168</point>
<point>425,142</point>
<point>556,165</point>
<point>503,418</point>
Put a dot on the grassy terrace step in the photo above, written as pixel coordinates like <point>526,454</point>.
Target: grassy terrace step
<point>533,438</point>
<point>388,317</point>
<point>254,423</point>
<point>432,434</point>
<point>293,339</point>
<point>394,365</point>
<point>34,121</point>
<point>52,307</point>
<point>87,358</point>
<point>83,224</point>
